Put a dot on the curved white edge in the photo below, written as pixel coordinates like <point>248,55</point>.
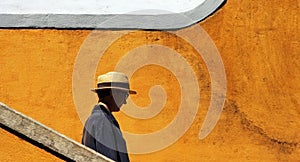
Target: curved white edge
<point>125,21</point>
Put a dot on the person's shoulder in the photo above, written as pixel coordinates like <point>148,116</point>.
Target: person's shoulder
<point>98,115</point>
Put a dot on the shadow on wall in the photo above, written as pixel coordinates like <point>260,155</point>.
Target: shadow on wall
<point>45,138</point>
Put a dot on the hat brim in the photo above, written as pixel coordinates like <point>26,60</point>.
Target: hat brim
<point>119,88</point>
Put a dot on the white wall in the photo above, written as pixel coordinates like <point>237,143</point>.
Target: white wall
<point>95,6</point>
<point>105,14</point>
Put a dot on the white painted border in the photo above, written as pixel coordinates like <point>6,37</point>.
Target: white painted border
<point>133,20</point>
<point>95,7</point>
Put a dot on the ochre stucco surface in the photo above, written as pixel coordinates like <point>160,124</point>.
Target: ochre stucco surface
<point>15,149</point>
<point>258,42</point>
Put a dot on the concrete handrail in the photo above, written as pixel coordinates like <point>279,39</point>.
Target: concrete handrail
<point>45,137</point>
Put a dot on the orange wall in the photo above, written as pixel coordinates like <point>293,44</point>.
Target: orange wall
<point>258,42</point>
<point>15,149</point>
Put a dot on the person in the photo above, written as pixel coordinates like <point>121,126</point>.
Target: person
<point>101,131</point>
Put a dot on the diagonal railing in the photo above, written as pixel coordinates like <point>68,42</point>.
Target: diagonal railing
<point>46,138</point>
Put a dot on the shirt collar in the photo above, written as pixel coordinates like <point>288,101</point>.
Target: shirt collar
<point>103,107</point>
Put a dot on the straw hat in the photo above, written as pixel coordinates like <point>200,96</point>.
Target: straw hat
<point>113,80</point>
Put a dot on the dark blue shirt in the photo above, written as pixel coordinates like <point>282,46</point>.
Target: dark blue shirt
<point>102,134</point>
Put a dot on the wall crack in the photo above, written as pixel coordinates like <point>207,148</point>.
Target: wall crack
<point>286,147</point>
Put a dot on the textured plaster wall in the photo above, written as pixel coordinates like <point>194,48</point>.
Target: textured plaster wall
<point>258,42</point>
<point>16,149</point>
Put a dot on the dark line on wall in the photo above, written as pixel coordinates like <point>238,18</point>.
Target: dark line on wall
<point>216,10</point>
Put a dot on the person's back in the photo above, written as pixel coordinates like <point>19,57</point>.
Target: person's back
<point>102,134</point>
<point>101,131</point>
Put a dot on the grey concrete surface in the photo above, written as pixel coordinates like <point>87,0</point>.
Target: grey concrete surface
<point>49,138</point>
